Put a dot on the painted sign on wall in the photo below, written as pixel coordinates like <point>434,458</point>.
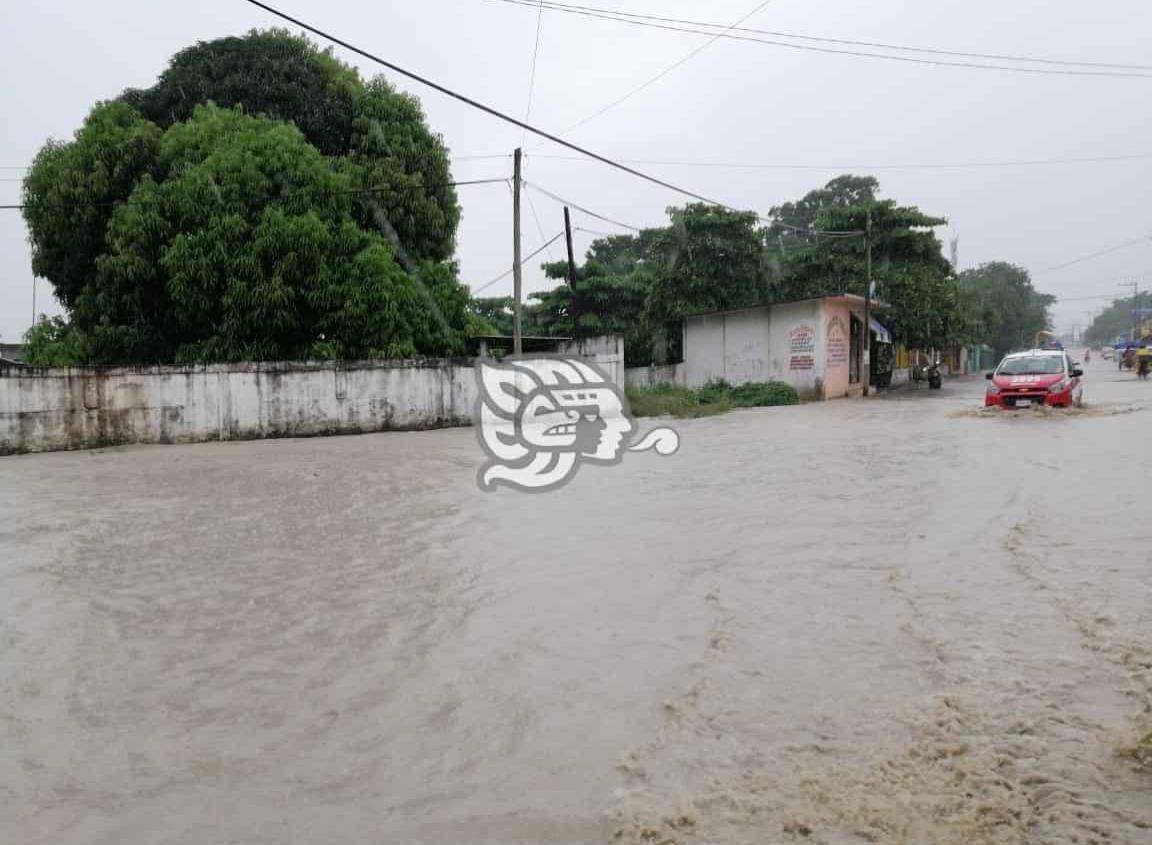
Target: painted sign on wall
<point>837,343</point>
<point>802,348</point>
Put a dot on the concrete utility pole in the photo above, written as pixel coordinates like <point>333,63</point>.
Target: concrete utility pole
<point>866,367</point>
<point>571,256</point>
<point>517,338</point>
<point>1135,285</point>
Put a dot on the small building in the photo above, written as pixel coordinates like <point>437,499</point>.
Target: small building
<point>816,345</point>
<point>607,351</point>
<point>11,353</point>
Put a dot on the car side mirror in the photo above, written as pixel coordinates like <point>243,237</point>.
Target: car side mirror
<point>988,376</point>
<point>1077,372</point>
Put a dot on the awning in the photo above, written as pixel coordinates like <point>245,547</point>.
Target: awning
<point>882,334</point>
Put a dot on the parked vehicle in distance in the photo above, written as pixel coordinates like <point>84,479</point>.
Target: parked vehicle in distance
<point>1037,377</point>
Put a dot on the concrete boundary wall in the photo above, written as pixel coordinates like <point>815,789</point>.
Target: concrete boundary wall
<point>44,410</point>
<point>47,410</point>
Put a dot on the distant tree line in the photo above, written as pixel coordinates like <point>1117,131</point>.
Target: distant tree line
<point>1120,319</point>
<point>707,258</point>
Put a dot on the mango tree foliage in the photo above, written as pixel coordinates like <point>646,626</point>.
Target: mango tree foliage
<point>1004,310</point>
<point>707,259</point>
<point>791,219</point>
<point>238,241</point>
<point>260,200</point>
<point>911,276</point>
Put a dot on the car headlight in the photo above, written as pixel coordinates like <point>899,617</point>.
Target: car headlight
<point>993,388</point>
<point>1058,386</point>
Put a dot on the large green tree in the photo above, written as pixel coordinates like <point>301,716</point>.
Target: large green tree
<point>1002,308</point>
<point>304,213</point>
<point>792,221</point>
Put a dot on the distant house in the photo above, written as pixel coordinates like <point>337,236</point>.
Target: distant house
<point>11,353</point>
<point>816,345</point>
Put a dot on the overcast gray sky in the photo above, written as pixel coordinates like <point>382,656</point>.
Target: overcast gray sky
<point>733,102</point>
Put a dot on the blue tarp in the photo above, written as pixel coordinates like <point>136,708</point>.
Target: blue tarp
<point>882,334</point>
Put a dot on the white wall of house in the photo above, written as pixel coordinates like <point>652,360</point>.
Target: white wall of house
<point>777,343</point>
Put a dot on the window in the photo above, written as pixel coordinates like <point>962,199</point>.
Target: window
<point>1033,365</point>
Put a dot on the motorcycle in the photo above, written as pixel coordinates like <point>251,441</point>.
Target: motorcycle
<point>935,380</point>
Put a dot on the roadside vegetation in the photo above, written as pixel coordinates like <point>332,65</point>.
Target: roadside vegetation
<point>716,397</point>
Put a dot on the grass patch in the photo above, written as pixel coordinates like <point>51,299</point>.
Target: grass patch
<point>666,400</point>
<point>716,397</point>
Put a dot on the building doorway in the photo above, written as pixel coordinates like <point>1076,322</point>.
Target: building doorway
<point>855,349</point>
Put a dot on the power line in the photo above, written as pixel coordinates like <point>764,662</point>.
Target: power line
<point>851,42</point>
<point>580,208</point>
<point>509,271</point>
<point>369,190</point>
<point>682,61</point>
<point>1090,256</point>
<point>481,106</point>
<point>862,167</point>
<point>536,217</point>
<point>836,51</point>
<point>535,54</point>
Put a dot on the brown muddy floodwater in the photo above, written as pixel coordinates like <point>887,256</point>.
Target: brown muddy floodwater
<point>890,621</point>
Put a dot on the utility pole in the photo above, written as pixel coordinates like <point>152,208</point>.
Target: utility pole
<point>866,367</point>
<point>571,256</point>
<point>1135,285</point>
<point>517,337</point>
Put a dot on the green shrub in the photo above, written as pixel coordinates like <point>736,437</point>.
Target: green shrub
<point>668,400</point>
<point>715,397</point>
<point>763,394</point>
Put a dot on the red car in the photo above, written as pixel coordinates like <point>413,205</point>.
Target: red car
<point>1038,377</point>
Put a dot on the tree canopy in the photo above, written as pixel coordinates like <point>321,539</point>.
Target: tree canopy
<point>1003,309</point>
<point>260,201</point>
<point>1120,319</point>
<point>708,258</point>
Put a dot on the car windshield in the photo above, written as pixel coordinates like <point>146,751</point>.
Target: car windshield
<point>1033,365</point>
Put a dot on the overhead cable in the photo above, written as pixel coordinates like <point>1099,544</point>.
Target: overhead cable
<point>837,51</point>
<point>1005,57</point>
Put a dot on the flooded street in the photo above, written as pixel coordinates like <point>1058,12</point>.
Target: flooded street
<point>893,621</point>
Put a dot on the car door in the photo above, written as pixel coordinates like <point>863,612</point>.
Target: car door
<point>1074,380</point>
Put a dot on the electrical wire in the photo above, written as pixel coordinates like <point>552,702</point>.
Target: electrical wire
<point>836,51</point>
<point>480,106</point>
<point>532,76</point>
<point>851,42</point>
<point>512,270</point>
<point>1124,245</point>
<point>580,208</point>
<point>862,167</point>
<point>680,62</point>
<point>536,217</point>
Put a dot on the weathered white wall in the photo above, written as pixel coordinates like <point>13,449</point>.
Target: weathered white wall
<point>606,350</point>
<point>45,410</point>
<point>777,343</point>
<point>658,374</point>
